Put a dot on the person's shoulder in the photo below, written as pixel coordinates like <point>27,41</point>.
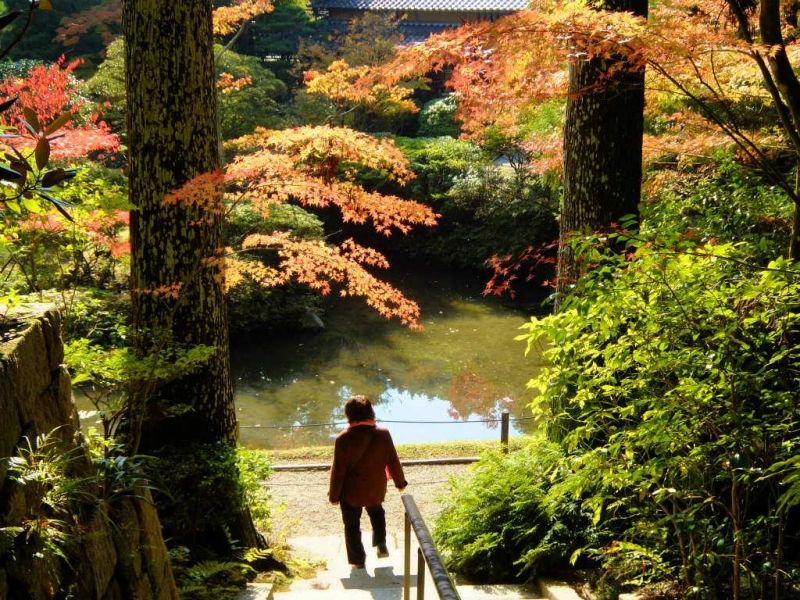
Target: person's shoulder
<point>383,432</point>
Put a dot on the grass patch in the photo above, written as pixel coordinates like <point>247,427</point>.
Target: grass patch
<point>322,454</point>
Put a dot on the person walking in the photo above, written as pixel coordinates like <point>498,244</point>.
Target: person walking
<point>364,458</point>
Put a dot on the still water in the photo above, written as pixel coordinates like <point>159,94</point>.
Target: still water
<point>463,366</point>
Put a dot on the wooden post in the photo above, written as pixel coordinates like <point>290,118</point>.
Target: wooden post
<point>504,431</point>
<point>407,561</point>
<point>420,575</point>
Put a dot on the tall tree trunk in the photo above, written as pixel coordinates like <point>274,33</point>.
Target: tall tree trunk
<point>602,148</point>
<point>603,130</point>
<point>172,137</point>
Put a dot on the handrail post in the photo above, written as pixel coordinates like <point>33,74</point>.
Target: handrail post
<point>428,555</point>
<point>504,431</point>
<point>407,560</point>
<point>420,575</point>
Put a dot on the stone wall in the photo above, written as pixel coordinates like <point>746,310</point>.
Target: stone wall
<point>111,548</point>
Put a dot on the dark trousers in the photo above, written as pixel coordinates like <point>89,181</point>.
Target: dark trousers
<point>351,515</point>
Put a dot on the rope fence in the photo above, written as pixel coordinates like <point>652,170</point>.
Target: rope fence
<point>343,423</point>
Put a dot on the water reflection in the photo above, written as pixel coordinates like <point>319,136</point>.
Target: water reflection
<point>464,366</point>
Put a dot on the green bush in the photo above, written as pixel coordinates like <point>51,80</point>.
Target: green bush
<point>491,211</point>
<point>673,381</point>
<point>108,85</point>
<point>438,118</point>
<point>499,525</point>
<point>732,203</point>
<point>254,105</point>
<point>276,36</point>
<point>437,162</point>
<point>240,111</point>
<point>252,307</point>
<point>208,475</point>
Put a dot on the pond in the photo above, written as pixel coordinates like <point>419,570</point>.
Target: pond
<point>450,381</point>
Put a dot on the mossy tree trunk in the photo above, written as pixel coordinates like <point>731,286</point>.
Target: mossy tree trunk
<point>602,148</point>
<point>172,137</point>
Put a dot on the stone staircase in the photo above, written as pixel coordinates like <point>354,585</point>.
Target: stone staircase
<point>381,580</point>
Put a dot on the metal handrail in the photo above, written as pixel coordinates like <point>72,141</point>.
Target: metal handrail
<point>426,554</point>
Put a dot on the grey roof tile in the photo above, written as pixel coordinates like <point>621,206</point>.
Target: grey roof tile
<point>426,5</point>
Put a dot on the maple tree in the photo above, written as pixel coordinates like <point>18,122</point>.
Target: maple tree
<point>711,54</point>
<point>316,167</point>
<point>337,83</point>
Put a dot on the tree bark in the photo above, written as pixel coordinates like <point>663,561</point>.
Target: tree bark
<point>172,137</point>
<point>602,149</point>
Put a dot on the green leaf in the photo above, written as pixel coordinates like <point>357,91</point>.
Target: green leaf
<point>31,205</point>
<point>60,205</point>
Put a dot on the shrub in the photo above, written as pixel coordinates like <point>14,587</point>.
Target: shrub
<point>491,211</point>
<point>207,475</point>
<point>499,525</point>
<point>732,203</point>
<point>438,118</point>
<point>673,378</point>
<point>254,105</point>
<point>252,307</point>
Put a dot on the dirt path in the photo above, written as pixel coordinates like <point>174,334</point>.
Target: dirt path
<point>307,512</point>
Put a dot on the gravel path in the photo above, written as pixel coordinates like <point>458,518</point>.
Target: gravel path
<point>307,512</point>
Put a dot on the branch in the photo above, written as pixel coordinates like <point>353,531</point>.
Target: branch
<point>21,34</point>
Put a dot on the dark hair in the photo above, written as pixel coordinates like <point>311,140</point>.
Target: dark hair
<point>358,408</point>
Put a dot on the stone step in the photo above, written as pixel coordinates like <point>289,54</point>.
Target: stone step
<point>381,580</point>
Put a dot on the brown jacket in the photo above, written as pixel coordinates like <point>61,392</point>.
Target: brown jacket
<point>360,457</point>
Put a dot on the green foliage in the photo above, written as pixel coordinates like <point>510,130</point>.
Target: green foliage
<point>38,43</point>
<point>44,251</point>
<point>100,316</point>
<point>731,203</point>
<point>246,220</point>
<point>16,68</point>
<point>371,39</point>
<point>53,498</point>
<point>193,483</point>
<point>438,118</point>
<point>437,162</point>
<point>673,379</point>
<point>254,470</point>
<point>241,111</point>
<point>254,105</point>
<point>276,36</point>
<point>252,307</point>
<point>498,524</point>
<point>491,211</point>
<point>108,85</point>
<point>208,579</point>
<point>108,375</point>
<point>540,119</point>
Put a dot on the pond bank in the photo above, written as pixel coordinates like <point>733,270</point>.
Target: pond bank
<point>460,449</point>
